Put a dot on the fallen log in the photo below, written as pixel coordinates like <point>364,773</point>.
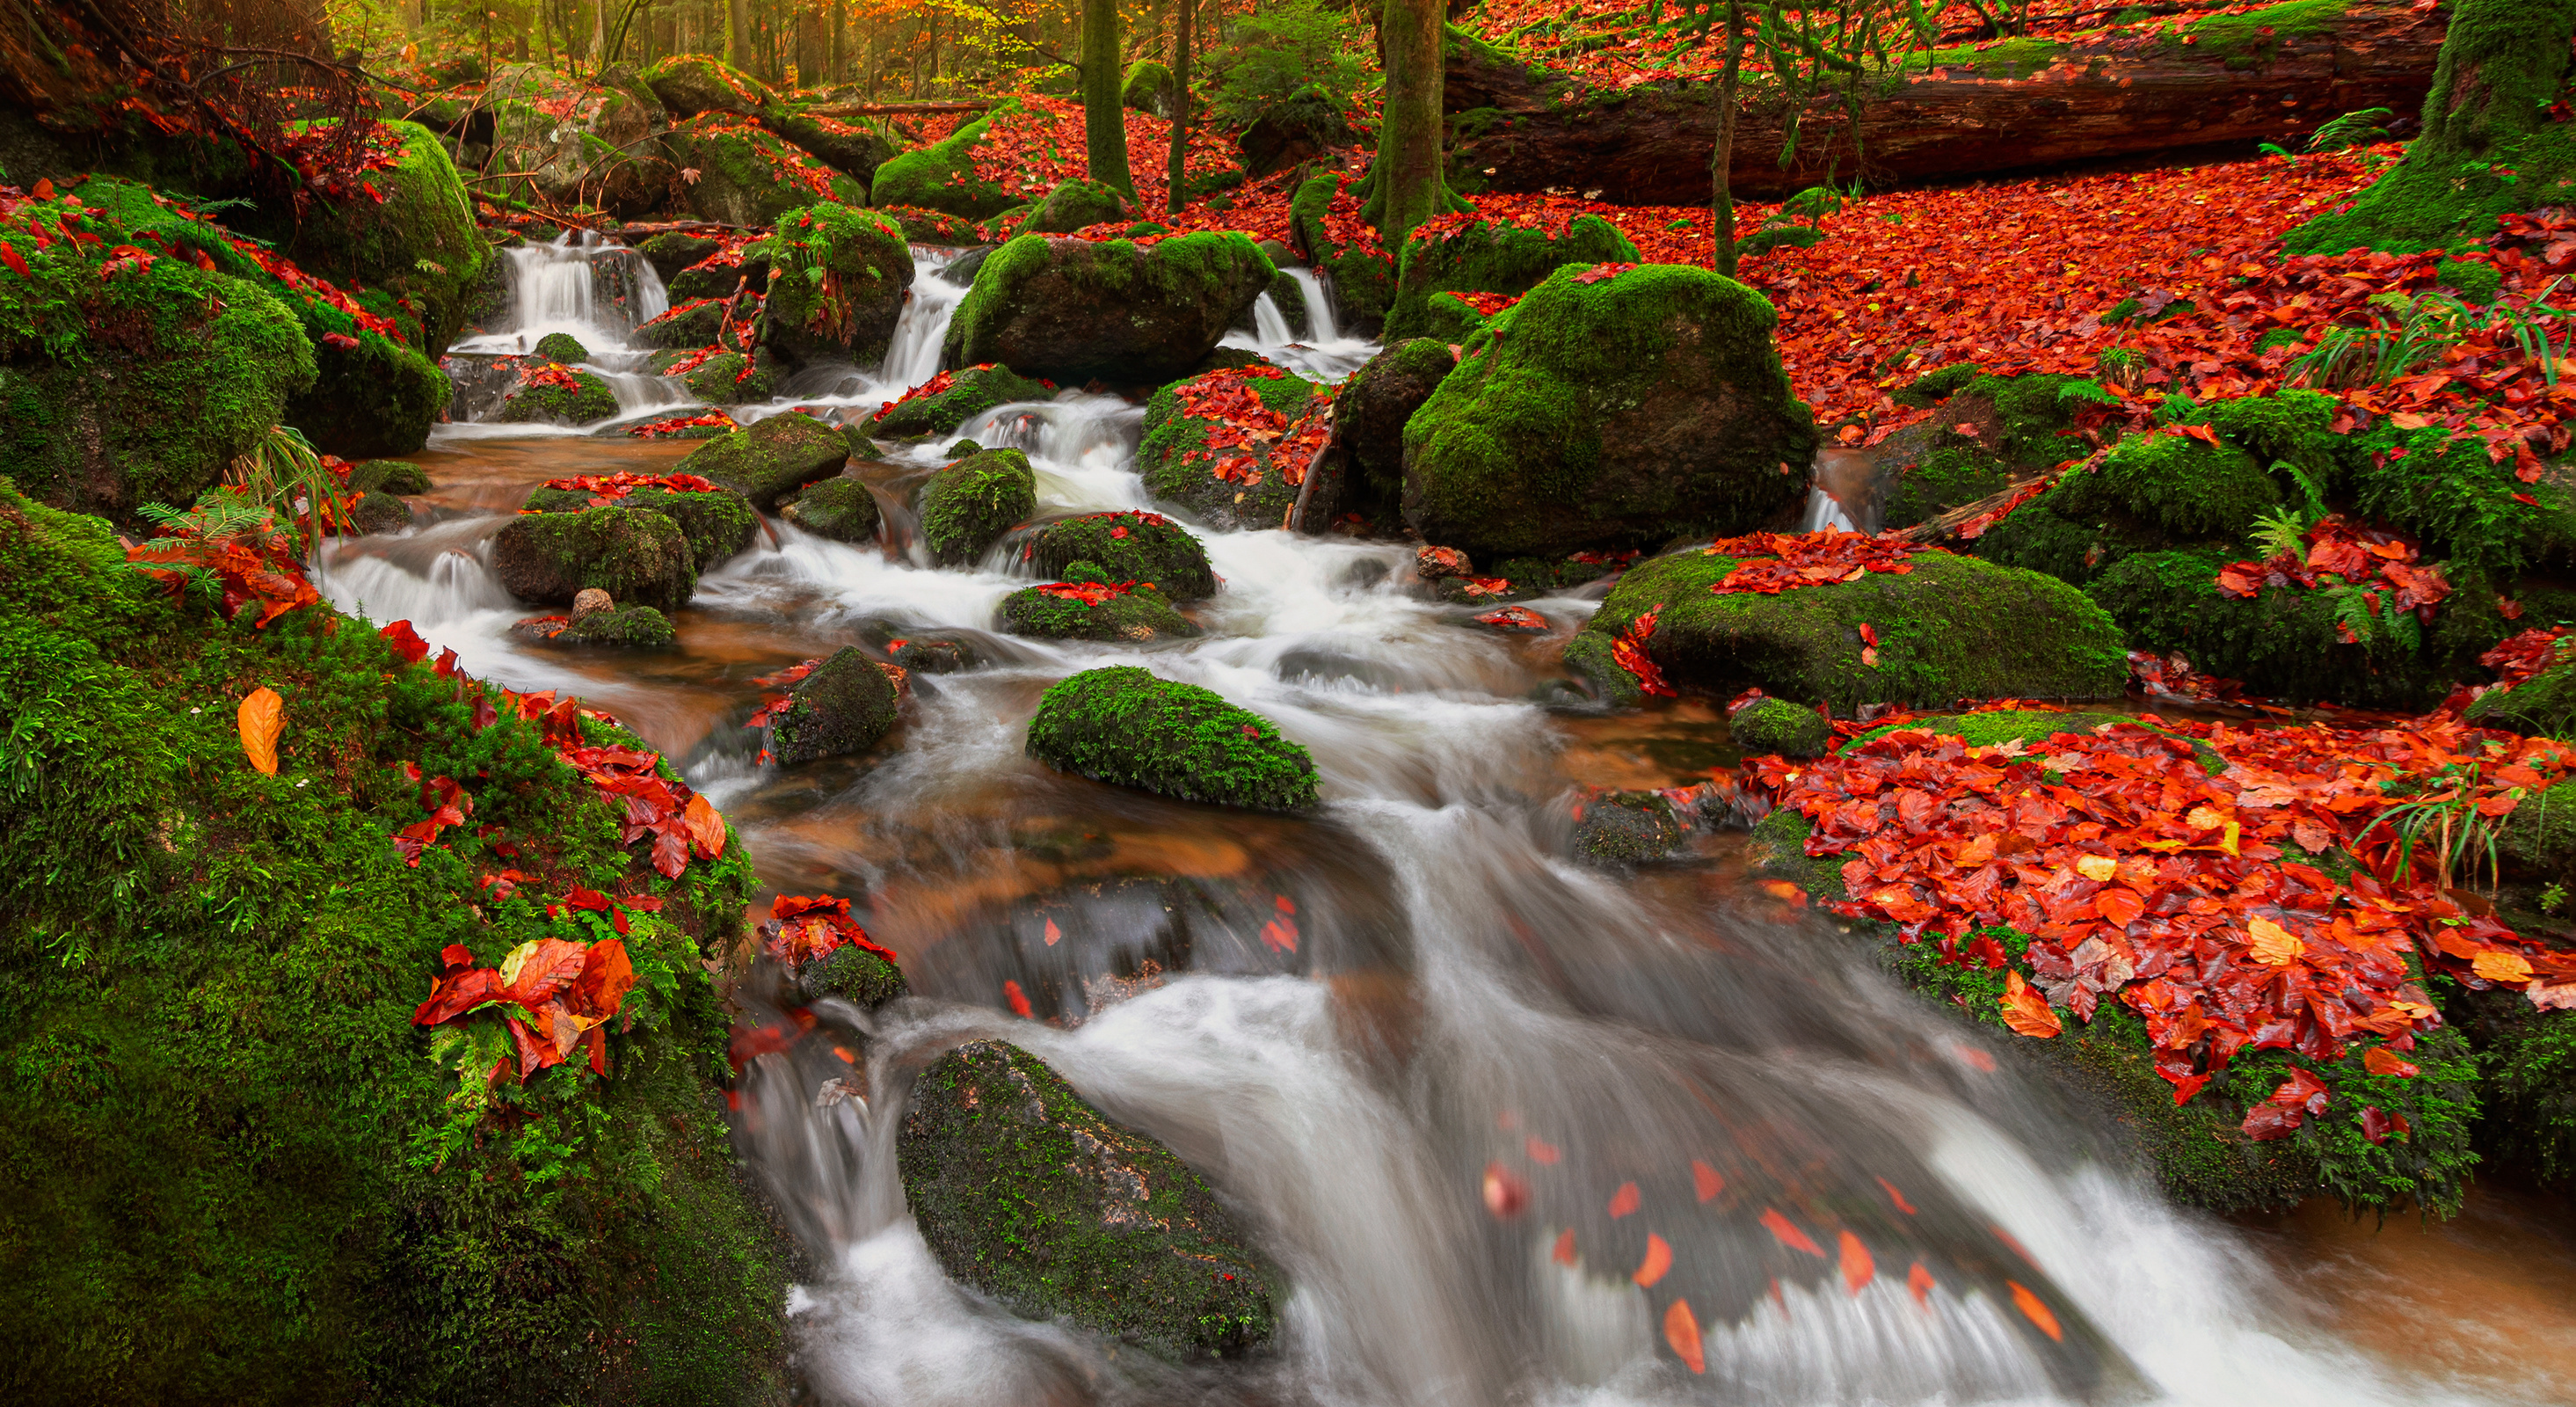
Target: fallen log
<point>2020,106</point>
<point>896,109</point>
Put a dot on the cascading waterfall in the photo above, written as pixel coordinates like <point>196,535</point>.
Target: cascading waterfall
<point>1324,353</point>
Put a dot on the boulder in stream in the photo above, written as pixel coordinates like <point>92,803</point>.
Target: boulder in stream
<point>554,394</point>
<point>633,555</point>
<point>1779,728</point>
<point>388,476</point>
<point>1254,482</point>
<point>1610,408</point>
<point>748,175</point>
<point>770,460</point>
<point>1492,256</point>
<point>1101,1225</point>
<point>1075,205</point>
<point>671,251</point>
<point>1128,545</point>
<point>843,707</point>
<point>1085,607</point>
<point>1369,412</point>
<point>1076,309</point>
<point>381,513</point>
<point>968,506</point>
<point>841,509</point>
<point>561,347</point>
<point>1627,828</point>
<point>718,523</point>
<point>941,177</point>
<point>729,378</point>
<point>950,399</point>
<point>837,283</point>
<point>621,628</point>
<point>1124,726</point>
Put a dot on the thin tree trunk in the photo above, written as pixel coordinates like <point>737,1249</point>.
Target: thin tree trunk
<point>1406,182</point>
<point>1177,172</point>
<point>598,35</point>
<point>735,23</point>
<point>1104,117</point>
<point>1721,162</point>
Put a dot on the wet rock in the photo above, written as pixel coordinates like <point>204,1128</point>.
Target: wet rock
<point>1103,1226</point>
<point>846,147</point>
<point>968,506</point>
<point>590,601</point>
<point>561,347</point>
<point>550,394</point>
<point>854,975</point>
<point>960,449</point>
<point>563,141</point>
<point>1777,727</point>
<point>690,84</point>
<point>633,555</point>
<point>718,525</point>
<point>841,509</point>
<point>1127,546</point>
<point>479,382</point>
<point>1085,608</point>
<point>1435,563</point>
<point>747,272</point>
<point>1075,205</point>
<point>933,654</point>
<point>2543,706</point>
<point>748,176</point>
<point>671,251</point>
<point>1952,628</point>
<point>632,628</point>
<point>1073,310</point>
<point>1627,827</point>
<point>1494,258</point>
<point>419,246</point>
<point>388,476</point>
<point>729,379</point>
<point>1300,127</point>
<point>1369,414</point>
<point>843,707</point>
<point>1617,412</point>
<point>960,271</point>
<point>1254,494</point>
<point>941,177</point>
<point>841,276</point>
<point>381,513</point>
<point>1124,726</point>
<point>773,458</point>
<point>698,322</point>
<point>971,392</point>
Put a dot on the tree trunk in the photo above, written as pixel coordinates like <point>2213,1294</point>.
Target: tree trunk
<point>1176,174</point>
<point>1406,184</point>
<point>1104,117</point>
<point>1650,145</point>
<point>737,32</point>
<point>1721,160</point>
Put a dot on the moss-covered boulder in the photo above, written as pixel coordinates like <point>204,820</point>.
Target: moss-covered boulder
<point>380,513</point>
<point>1073,309</point>
<point>1490,256</point>
<point>771,459</point>
<point>748,175</point>
<point>1248,485</point>
<point>1777,727</point>
<point>1150,87</point>
<point>846,147</point>
<point>561,347</point>
<point>212,996</point>
<point>697,322</point>
<point>1363,276</point>
<point>672,250</point>
<point>690,84</point>
<point>1127,546</point>
<point>729,378</point>
<point>2146,491</point>
<point>837,284</point>
<point>1103,1226</point>
<point>417,255</point>
<point>1087,608</point>
<point>388,476</point>
<point>853,974</point>
<point>840,508</point>
<point>626,628</point>
<point>596,143</point>
<point>550,393</point>
<point>1075,205</point>
<point>1124,726</point>
<point>942,177</point>
<point>960,396</point>
<point>931,226</point>
<point>968,506</point>
<point>1369,414</point>
<point>2543,706</point>
<point>1611,412</point>
<point>718,525</point>
<point>635,556</point>
<point>1952,628</point>
<point>843,707</point>
<point>1627,828</point>
<point>724,274</point>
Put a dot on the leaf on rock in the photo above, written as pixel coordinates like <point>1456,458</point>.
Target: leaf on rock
<point>2026,1011</point>
<point>260,719</point>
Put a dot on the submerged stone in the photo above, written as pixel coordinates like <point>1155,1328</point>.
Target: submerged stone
<point>1627,827</point>
<point>841,509</point>
<point>970,393</point>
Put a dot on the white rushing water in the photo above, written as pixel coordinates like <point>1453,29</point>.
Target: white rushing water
<point>1632,1030</point>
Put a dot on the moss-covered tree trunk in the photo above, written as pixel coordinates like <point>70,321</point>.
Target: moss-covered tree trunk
<point>1176,173</point>
<point>1104,112</point>
<point>1721,162</point>
<point>1406,184</point>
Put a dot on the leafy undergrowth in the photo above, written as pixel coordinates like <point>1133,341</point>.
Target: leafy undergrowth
<point>1039,147</point>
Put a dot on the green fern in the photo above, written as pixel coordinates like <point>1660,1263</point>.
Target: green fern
<point>2281,532</point>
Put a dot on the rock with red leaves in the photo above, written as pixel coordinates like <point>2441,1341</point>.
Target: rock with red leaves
<point>1073,310</point>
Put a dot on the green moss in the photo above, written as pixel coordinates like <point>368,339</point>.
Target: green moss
<point>1101,1225</point>
<point>2039,539</point>
<point>587,401</point>
<point>2011,58</point>
<point>2529,1058</point>
<point>749,176</point>
<point>1257,497</point>
<point>2257,35</point>
<point>1613,413</point>
<point>2542,706</point>
<point>855,975</point>
<point>562,347</point>
<point>1777,727</point>
<point>774,457</point>
<point>837,284</point>
<point>843,707</point>
<point>1449,319</point>
<point>1128,546</point>
<point>626,628</point>
<point>388,476</point>
<point>1124,726</point>
<point>1953,628</point>
<point>975,391</point>
<point>1627,828</point>
<point>2477,283</point>
<point>1072,309</point>
<point>1938,385</point>
<point>841,509</point>
<point>730,379</point>
<point>234,1170</point>
<point>718,525</point>
<point>2459,503</point>
<point>2012,725</point>
<point>1135,616</point>
<point>419,251</point>
<point>968,506</point>
<point>689,84</point>
<point>1076,205</point>
<point>1494,258</point>
<point>1363,276</point>
<point>853,150</point>
<point>637,557</point>
<point>942,176</point>
<point>1947,478</point>
<point>2176,484</point>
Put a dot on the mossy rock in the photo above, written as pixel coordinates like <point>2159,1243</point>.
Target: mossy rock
<point>1075,205</point>
<point>1285,296</point>
<point>922,226</point>
<point>689,84</point>
<point>245,954</point>
<point>626,628</point>
<point>1953,628</point>
<point>1256,497</point>
<point>418,256</point>
<point>561,347</point>
<point>1150,87</point>
<point>585,402</point>
<point>854,975</point>
<point>381,513</point>
<point>748,175</point>
<point>1124,726</point>
<point>378,397</point>
<point>968,506</point>
<point>934,654</point>
<point>1779,728</point>
<point>388,476</point>
<point>846,147</point>
<point>1448,319</point>
<point>972,392</point>
<point>1952,477</point>
<point>1137,616</point>
<point>1627,828</point>
<point>843,707</point>
<point>1369,415</point>
<point>771,459</point>
<point>837,284</point>
<point>1489,257</point>
<point>730,379</point>
<point>1103,1226</point>
<point>1614,413</point>
<point>942,177</point>
<point>2543,706</point>
<point>718,525</point>
<point>1127,546</point>
<point>1073,309</point>
<point>2182,486</point>
<point>697,322</point>
<point>1997,726</point>
<point>2528,1103</point>
<point>841,509</point>
<point>709,278</point>
<point>671,251</point>
<point>637,557</point>
<point>1362,274</point>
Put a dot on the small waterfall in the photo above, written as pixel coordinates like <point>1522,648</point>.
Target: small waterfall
<point>1321,326</point>
<point>1269,324</point>
<point>577,284</point>
<point>1848,492</point>
<point>1324,353</point>
<point>913,357</point>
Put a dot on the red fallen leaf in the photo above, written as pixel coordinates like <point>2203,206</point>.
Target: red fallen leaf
<point>17,262</point>
<point>2026,1011</point>
<point>457,993</point>
<point>1857,1267</point>
<point>1599,273</point>
<point>1564,1252</point>
<point>1018,999</point>
<point>2186,1084</point>
<point>2380,1060</point>
<point>1868,634</point>
<point>1788,1234</point>
<point>706,828</point>
<point>2202,433</point>
<point>2302,1089</point>
<point>1628,650</point>
<point>1054,935</point>
<point>1897,1197</point>
<point>1540,1151</point>
<point>1705,1180</point>
<point>2119,906</point>
<point>1918,1281</point>
<point>2266,1122</point>
<point>1626,1200</point>
<point>607,975</point>
<point>1681,1334</point>
<point>536,970</point>
<point>1514,618</point>
<point>1507,1193</point>
<point>2377,1124</point>
<point>1659,1258</point>
<point>2034,1310</point>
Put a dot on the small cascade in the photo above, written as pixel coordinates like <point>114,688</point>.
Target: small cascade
<point>1269,324</point>
<point>1321,326</point>
<point>578,284</point>
<point>913,357</point>
<point>1323,354</point>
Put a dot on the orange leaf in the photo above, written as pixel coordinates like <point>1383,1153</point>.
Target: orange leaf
<point>1625,1200</point>
<point>1564,1254</point>
<point>2273,945</point>
<point>2497,965</point>
<point>1659,1258</point>
<point>706,828</point>
<point>1897,1197</point>
<point>2380,1060</point>
<point>1919,1280</point>
<point>1858,1269</point>
<point>1705,1180</point>
<point>2120,906</point>
<point>1681,1331</point>
<point>1788,1233</point>
<point>2026,1011</point>
<point>2036,1312</point>
<point>261,719</point>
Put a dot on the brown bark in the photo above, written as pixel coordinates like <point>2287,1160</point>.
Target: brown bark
<point>887,109</point>
<point>2125,96</point>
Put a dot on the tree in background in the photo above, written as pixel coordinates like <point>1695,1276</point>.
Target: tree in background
<point>1174,175</point>
<point>1407,183</point>
<point>1104,106</point>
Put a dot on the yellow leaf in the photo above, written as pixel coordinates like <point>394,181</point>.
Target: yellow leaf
<point>261,719</point>
<point>2026,1011</point>
<point>2227,840</point>
<point>2208,818</point>
<point>2098,868</point>
<point>2273,945</point>
<point>2497,965</point>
